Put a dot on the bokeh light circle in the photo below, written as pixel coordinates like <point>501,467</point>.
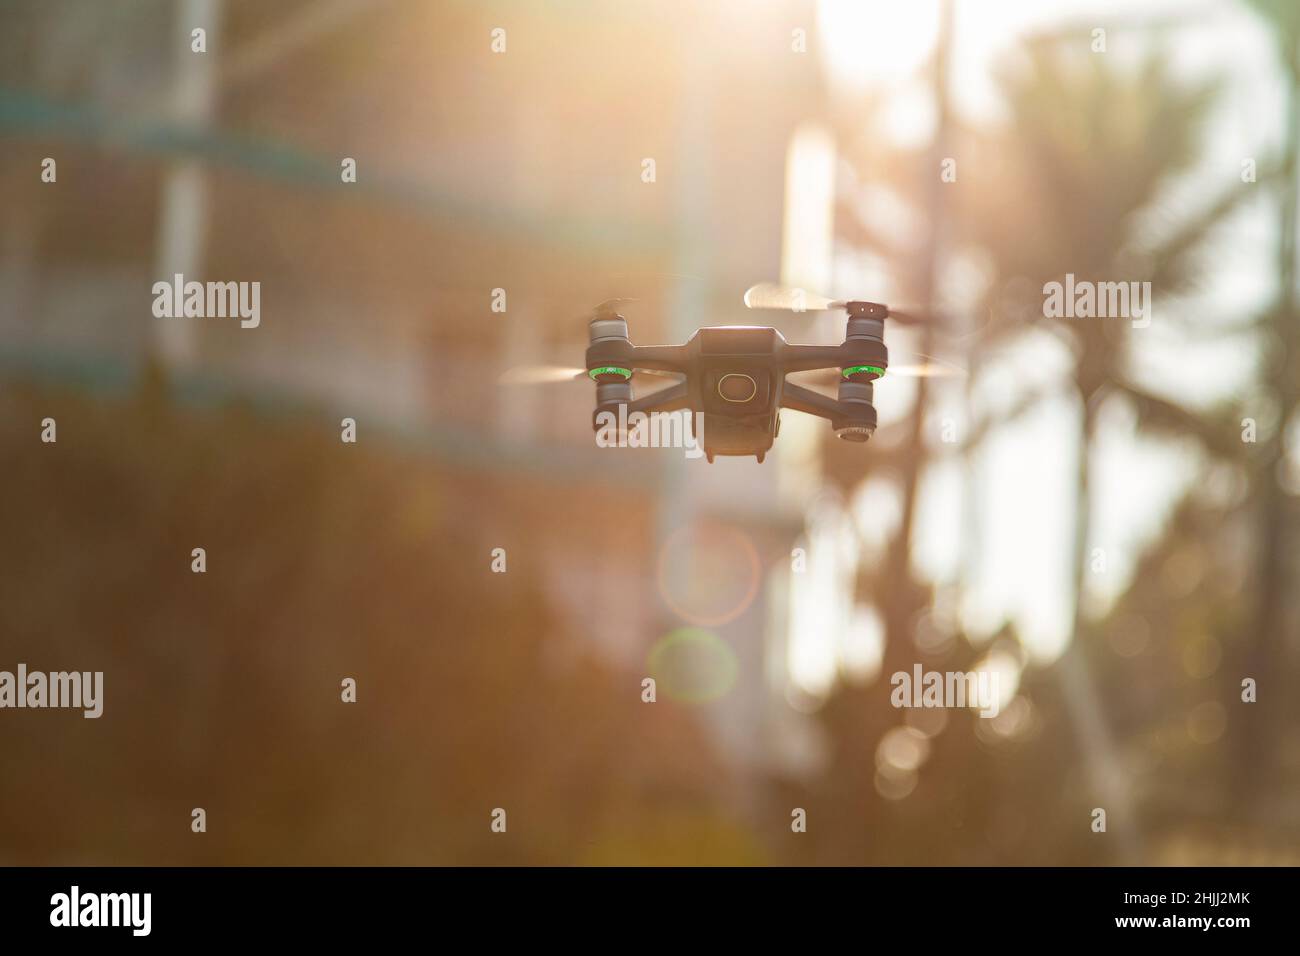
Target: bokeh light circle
<point>708,574</point>
<point>693,665</point>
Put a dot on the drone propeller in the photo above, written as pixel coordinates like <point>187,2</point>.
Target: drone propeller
<point>540,375</point>
<point>769,295</point>
<point>608,309</point>
<point>930,369</point>
<point>914,366</point>
<point>554,374</point>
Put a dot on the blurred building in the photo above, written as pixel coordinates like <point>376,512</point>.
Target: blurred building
<point>518,169</point>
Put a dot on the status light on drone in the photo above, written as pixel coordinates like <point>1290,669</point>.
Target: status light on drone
<point>610,370</point>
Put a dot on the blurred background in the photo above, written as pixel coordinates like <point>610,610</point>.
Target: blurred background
<point>1105,514</point>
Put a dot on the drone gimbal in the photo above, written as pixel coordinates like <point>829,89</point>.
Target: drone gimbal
<point>735,377</point>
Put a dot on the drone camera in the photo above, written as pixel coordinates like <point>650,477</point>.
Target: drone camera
<point>736,391</point>
<point>737,387</point>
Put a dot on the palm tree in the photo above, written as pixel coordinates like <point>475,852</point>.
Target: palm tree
<point>1070,185</point>
<point>1090,151</point>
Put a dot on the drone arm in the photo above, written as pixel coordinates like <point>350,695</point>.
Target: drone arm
<point>855,351</point>
<point>809,402</point>
<point>670,399</point>
<point>661,358</point>
<point>619,353</point>
<point>807,358</point>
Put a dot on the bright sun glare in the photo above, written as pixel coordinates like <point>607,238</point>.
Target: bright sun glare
<point>868,43</point>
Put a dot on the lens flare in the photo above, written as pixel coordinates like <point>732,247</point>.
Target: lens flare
<point>708,574</point>
<point>693,665</point>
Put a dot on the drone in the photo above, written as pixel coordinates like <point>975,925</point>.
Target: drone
<point>734,377</point>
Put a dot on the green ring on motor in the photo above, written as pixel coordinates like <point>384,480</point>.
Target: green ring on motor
<point>854,370</point>
<point>610,370</point>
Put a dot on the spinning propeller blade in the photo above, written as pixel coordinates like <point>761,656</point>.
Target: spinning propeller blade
<point>553,374</point>
<point>913,366</point>
<point>769,295</point>
<point>541,375</point>
<point>931,369</point>
<point>608,309</point>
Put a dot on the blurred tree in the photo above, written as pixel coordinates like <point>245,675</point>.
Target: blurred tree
<point>1090,152</point>
<point>1072,184</point>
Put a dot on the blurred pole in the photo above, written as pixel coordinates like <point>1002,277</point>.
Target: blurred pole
<point>1107,778</point>
<point>1272,643</point>
<point>678,505</point>
<point>182,222</point>
<point>899,584</point>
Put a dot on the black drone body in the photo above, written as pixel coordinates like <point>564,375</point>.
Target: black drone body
<point>734,378</point>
